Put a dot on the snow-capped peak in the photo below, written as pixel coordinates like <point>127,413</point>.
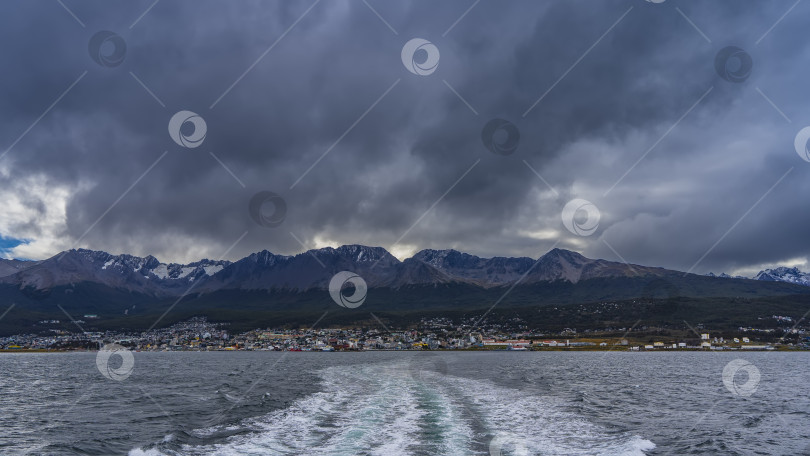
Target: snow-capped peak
<point>784,274</point>
<point>150,266</point>
<point>725,276</point>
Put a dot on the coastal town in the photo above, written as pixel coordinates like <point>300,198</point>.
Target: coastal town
<point>198,334</point>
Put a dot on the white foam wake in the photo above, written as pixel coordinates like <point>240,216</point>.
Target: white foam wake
<point>386,410</point>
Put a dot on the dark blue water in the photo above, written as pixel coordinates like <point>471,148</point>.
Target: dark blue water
<point>409,403</point>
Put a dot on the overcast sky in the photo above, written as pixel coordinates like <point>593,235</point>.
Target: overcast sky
<point>617,103</point>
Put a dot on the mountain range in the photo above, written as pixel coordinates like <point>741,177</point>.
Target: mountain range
<point>313,269</point>
<point>86,281</point>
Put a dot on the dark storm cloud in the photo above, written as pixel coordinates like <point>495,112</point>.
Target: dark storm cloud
<point>420,138</point>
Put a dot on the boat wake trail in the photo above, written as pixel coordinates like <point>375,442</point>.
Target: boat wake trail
<point>396,409</point>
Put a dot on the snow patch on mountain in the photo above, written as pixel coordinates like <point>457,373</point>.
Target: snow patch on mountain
<point>150,266</point>
<point>780,274</point>
<point>184,272</point>
<point>784,274</point>
<point>213,269</point>
<point>162,271</point>
<point>725,276</point>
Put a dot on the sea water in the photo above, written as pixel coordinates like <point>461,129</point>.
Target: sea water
<point>407,403</point>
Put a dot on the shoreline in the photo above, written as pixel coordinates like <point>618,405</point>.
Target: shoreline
<point>597,350</point>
